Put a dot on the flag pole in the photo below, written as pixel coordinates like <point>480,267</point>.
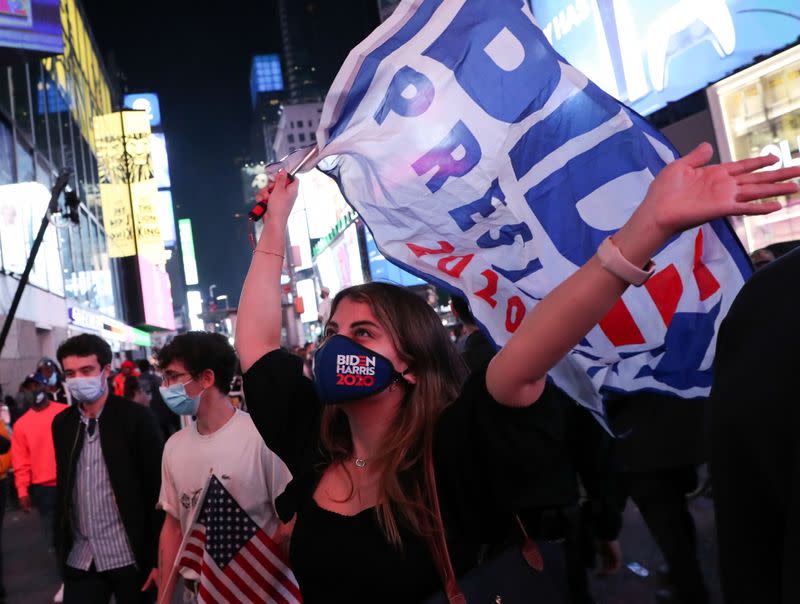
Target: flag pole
<point>175,564</point>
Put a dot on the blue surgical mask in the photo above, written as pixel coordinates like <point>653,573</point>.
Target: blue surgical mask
<point>344,370</point>
<point>86,389</point>
<point>52,380</point>
<point>178,401</point>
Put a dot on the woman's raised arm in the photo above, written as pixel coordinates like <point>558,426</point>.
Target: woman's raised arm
<point>685,194</point>
<point>258,326</point>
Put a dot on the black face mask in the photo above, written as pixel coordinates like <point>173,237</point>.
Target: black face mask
<point>345,370</point>
<point>39,398</point>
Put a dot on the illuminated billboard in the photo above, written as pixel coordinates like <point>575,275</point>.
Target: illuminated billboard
<point>187,248</point>
<point>166,217</point>
<point>755,113</point>
<point>32,25</point>
<point>382,270</point>
<point>158,151</point>
<point>156,295</point>
<point>147,102</point>
<point>127,187</point>
<point>648,54</point>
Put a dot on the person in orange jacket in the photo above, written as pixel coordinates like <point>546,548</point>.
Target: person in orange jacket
<point>33,456</point>
<point>128,368</point>
<point>5,465</point>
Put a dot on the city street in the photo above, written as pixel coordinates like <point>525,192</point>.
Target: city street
<point>31,576</point>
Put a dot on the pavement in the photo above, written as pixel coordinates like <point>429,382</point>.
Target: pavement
<point>31,576</point>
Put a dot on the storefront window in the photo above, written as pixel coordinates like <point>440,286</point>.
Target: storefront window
<point>759,113</point>
<point>25,172</point>
<point>6,154</point>
<point>70,274</point>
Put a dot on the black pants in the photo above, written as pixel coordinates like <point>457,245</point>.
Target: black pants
<point>93,587</point>
<point>564,524</point>
<point>661,498</point>
<point>43,498</point>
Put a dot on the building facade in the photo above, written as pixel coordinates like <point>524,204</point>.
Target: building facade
<point>48,100</point>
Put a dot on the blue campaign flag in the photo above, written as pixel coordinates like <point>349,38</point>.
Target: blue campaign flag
<point>483,162</point>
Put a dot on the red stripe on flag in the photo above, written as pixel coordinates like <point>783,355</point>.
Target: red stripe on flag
<point>278,573</point>
<point>210,574</point>
<point>205,596</point>
<point>240,582</point>
<point>194,549</point>
<point>666,289</point>
<point>619,326</point>
<point>707,284</point>
<point>261,581</point>
<point>273,547</point>
<point>289,582</point>
<point>190,563</point>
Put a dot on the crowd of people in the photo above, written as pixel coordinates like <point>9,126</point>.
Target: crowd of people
<point>394,465</point>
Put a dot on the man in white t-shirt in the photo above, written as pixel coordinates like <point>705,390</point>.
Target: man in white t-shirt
<point>198,368</point>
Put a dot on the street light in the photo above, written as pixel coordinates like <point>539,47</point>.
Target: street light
<point>223,297</point>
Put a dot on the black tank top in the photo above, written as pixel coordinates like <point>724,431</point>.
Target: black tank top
<point>348,559</point>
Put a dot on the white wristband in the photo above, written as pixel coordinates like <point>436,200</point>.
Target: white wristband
<point>615,263</point>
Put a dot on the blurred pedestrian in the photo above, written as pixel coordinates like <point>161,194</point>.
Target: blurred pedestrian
<point>661,443</point>
<point>127,368</point>
<point>580,455</point>
<point>33,456</point>
<point>150,382</point>
<point>324,309</point>
<point>755,449</point>
<point>761,258</point>
<point>477,349</point>
<point>5,465</point>
<point>198,369</point>
<point>108,454</point>
<point>51,372</point>
<point>135,392</point>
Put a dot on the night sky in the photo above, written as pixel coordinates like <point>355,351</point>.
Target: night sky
<point>197,59</point>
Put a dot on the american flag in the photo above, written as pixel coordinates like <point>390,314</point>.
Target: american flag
<point>236,561</point>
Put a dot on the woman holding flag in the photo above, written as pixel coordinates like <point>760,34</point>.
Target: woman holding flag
<point>388,402</point>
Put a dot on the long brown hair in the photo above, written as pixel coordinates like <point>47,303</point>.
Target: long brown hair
<point>421,342</point>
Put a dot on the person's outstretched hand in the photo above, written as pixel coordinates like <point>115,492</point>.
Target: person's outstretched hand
<point>282,197</point>
<point>688,193</point>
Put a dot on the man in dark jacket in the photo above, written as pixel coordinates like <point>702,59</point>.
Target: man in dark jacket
<point>108,464</point>
<point>755,449</point>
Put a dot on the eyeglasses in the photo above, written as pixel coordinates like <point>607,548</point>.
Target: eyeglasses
<point>171,377</point>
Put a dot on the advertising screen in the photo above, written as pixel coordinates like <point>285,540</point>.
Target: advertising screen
<point>382,270</point>
<point>187,249</point>
<point>194,301</point>
<point>328,271</point>
<point>305,289</point>
<point>147,102</point>
<point>320,196</point>
<point>347,258</point>
<point>757,112</point>
<point>158,151</point>
<point>166,217</point>
<point>156,295</point>
<point>649,53</point>
<point>33,25</point>
<point>127,188</point>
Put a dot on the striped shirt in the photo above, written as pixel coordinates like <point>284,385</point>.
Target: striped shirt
<point>98,533</point>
